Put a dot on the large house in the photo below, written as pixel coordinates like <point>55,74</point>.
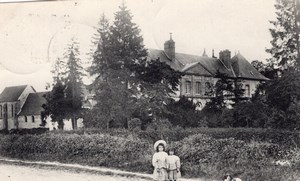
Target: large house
<point>200,71</point>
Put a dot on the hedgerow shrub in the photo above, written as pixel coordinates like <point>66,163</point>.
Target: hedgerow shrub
<point>94,150</point>
<point>205,156</point>
<point>282,137</point>
<point>210,154</point>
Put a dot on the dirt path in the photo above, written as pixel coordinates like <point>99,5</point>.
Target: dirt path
<point>17,170</point>
<point>12,172</point>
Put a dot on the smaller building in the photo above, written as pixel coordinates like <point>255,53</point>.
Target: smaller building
<point>30,114</point>
<point>11,101</point>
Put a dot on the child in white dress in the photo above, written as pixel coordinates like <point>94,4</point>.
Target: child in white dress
<point>173,166</point>
<point>159,161</point>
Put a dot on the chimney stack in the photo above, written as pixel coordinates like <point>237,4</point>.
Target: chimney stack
<point>169,48</point>
<point>225,57</point>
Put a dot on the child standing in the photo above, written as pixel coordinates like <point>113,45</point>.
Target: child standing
<point>159,161</point>
<point>173,166</point>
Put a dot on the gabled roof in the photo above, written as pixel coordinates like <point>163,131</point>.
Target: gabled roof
<point>244,69</point>
<point>33,104</point>
<point>154,54</point>
<point>184,62</point>
<point>11,94</point>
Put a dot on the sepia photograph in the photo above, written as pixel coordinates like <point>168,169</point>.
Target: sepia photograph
<point>141,90</point>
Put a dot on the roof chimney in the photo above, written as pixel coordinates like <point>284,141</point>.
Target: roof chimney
<point>213,53</point>
<point>169,48</point>
<point>225,57</point>
<point>204,53</point>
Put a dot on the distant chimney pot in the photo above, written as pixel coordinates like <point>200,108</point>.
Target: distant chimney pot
<point>204,53</point>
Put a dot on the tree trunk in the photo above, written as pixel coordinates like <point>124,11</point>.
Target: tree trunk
<point>60,124</point>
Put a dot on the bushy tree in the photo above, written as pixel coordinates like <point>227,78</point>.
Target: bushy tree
<point>285,34</point>
<point>183,113</point>
<point>55,106</point>
<point>266,69</point>
<point>228,92</point>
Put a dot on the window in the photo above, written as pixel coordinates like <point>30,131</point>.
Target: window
<point>208,89</point>
<point>198,88</point>
<point>12,110</point>
<point>32,118</point>
<point>25,118</point>
<point>188,86</point>
<point>247,90</point>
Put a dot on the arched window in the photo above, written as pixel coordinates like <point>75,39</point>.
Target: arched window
<point>188,86</point>
<point>32,118</point>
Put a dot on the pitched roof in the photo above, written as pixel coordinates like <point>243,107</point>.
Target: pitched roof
<point>184,62</point>
<point>244,69</point>
<point>33,104</point>
<point>11,94</point>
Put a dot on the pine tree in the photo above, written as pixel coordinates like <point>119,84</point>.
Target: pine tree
<point>285,34</point>
<point>73,81</point>
<point>119,51</point>
<point>125,82</point>
<point>64,101</point>
<point>101,56</point>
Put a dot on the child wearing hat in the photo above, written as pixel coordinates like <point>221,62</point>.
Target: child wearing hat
<point>159,161</point>
<point>173,166</point>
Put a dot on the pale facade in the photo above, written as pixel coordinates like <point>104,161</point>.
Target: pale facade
<point>200,72</point>
<point>11,101</point>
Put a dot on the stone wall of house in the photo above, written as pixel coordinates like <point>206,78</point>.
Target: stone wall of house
<point>201,88</point>
<point>11,115</point>
<point>194,86</point>
<point>29,121</point>
<point>250,87</point>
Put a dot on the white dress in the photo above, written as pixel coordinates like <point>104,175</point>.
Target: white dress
<point>160,167</point>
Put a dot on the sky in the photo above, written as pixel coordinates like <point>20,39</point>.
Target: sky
<point>34,34</point>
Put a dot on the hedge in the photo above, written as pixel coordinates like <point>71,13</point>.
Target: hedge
<point>285,138</point>
<point>201,155</point>
<point>93,150</point>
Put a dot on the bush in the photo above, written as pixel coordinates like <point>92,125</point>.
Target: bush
<point>210,153</point>
<point>205,156</point>
<point>94,150</point>
<point>134,124</point>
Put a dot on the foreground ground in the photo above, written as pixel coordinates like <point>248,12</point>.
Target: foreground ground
<point>16,170</point>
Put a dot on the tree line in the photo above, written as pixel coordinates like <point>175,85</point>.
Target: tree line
<point>132,89</point>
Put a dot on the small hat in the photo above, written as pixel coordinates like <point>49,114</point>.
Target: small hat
<point>160,142</point>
